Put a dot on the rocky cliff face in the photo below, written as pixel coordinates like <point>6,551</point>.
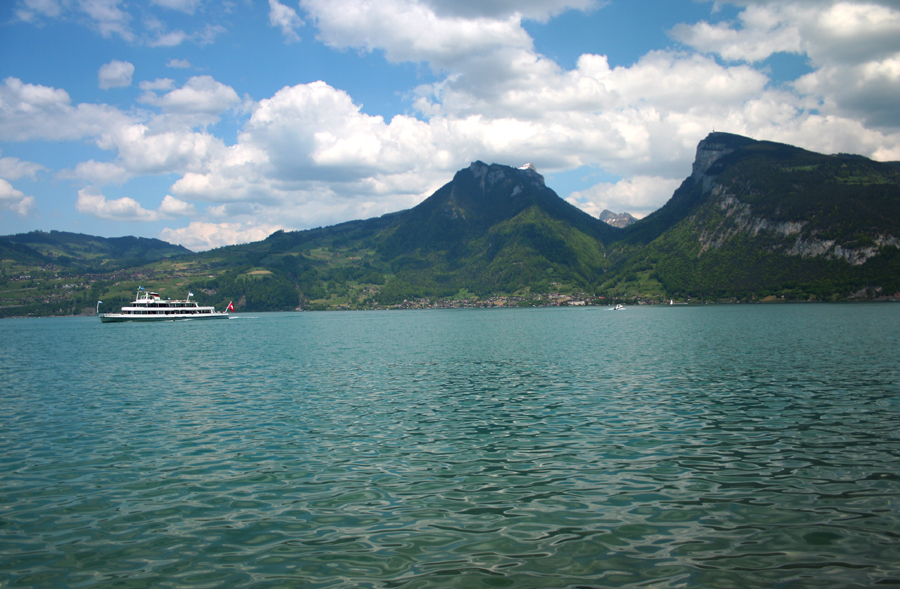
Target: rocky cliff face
<point>792,236</point>
<point>714,147</point>
<point>489,176</point>
<point>803,237</point>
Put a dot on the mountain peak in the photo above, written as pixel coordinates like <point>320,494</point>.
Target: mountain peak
<point>620,220</point>
<point>714,146</point>
<point>493,174</point>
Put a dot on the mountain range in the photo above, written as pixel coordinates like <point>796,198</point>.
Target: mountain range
<point>755,220</point>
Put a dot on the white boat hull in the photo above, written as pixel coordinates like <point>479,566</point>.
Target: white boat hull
<point>120,317</point>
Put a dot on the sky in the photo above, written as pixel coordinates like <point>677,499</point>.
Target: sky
<point>213,122</point>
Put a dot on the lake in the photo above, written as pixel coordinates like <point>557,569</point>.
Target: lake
<point>685,446</point>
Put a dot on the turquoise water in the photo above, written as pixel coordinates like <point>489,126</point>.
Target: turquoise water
<point>721,446</point>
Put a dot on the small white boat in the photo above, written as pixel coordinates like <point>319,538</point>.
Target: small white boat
<point>618,308</point>
<point>148,306</point>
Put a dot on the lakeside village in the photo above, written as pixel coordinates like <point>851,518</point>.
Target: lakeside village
<point>530,300</point>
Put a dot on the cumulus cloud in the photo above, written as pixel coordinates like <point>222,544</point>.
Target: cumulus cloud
<point>144,150</point>
<point>199,95</point>
<point>760,32</point>
<point>171,207</point>
<point>14,200</point>
<point>408,30</point>
<point>854,48</point>
<point>178,63</point>
<point>199,236</point>
<point>832,31</point>
<point>97,173</point>
<point>115,74</point>
<point>31,111</point>
<point>12,168</point>
<point>164,144</point>
<point>315,131</point>
<point>95,204</point>
<point>285,18</point>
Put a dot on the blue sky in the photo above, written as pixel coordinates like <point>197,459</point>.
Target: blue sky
<point>211,122</point>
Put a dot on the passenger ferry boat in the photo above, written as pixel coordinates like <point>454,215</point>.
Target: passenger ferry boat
<point>148,306</point>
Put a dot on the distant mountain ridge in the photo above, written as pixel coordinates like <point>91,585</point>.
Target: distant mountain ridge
<point>65,248</point>
<point>620,220</point>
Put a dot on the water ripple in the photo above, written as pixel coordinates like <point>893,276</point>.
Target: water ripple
<point>687,447</point>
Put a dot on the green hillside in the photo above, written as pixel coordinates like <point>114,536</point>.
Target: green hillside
<point>76,249</point>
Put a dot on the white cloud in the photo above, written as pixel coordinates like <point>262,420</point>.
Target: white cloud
<point>108,18</point>
<point>315,131</point>
<point>164,144</point>
<point>539,10</point>
<point>172,207</point>
<point>854,48</point>
<point>29,9</point>
<point>208,34</point>
<point>12,168</point>
<point>762,31</point>
<point>869,91</point>
<point>158,34</point>
<point>144,150</point>
<point>408,30</point>
<point>199,95</point>
<point>178,63</point>
<point>30,111</point>
<point>115,74</point>
<point>828,32</point>
<point>95,204</point>
<point>169,39</point>
<point>639,195</point>
<point>285,18</point>
<point>199,236</point>
<point>308,156</point>
<point>156,85</point>
<point>186,6</point>
<point>14,200</point>
<point>97,173</point>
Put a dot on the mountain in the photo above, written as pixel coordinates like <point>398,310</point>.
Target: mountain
<point>66,249</point>
<point>755,220</point>
<point>494,228</point>
<point>620,220</point>
<point>758,218</point>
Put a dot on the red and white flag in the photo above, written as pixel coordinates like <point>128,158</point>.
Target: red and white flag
<point>230,308</point>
